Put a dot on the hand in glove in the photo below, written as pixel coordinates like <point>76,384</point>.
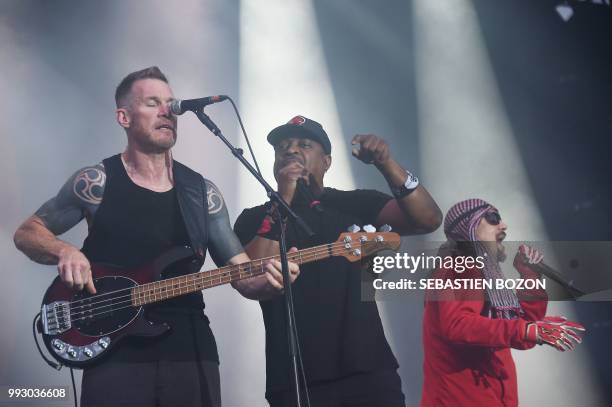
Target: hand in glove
<point>531,255</point>
<point>526,257</point>
<point>557,332</point>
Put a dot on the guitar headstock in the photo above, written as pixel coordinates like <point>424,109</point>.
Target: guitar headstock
<point>355,246</point>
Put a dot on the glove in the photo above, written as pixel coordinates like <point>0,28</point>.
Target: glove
<point>525,257</point>
<point>557,332</point>
<point>531,255</point>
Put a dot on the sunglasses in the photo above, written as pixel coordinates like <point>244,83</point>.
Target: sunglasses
<point>492,218</point>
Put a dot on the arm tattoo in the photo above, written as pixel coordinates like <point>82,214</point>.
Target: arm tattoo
<point>214,198</point>
<point>223,243</point>
<point>89,185</point>
<point>80,196</point>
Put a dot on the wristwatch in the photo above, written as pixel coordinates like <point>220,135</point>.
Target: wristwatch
<point>410,185</point>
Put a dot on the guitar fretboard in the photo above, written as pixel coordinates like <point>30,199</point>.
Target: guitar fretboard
<point>177,286</point>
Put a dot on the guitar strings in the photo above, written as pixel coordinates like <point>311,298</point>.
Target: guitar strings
<point>291,256</point>
<point>204,279</point>
<point>189,285</point>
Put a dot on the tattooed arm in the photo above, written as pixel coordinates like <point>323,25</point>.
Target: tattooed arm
<point>222,242</point>
<point>80,197</point>
<point>225,248</point>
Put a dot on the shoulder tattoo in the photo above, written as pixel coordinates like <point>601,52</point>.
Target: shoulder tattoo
<point>214,198</point>
<point>88,185</point>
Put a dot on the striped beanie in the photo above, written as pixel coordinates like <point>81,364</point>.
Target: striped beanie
<point>460,225</point>
<point>462,219</point>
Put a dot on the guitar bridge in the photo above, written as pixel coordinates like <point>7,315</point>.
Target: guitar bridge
<point>56,317</point>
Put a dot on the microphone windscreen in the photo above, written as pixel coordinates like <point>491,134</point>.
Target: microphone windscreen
<point>175,107</point>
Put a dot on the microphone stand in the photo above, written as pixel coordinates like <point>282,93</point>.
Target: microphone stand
<point>283,213</point>
<point>554,275</point>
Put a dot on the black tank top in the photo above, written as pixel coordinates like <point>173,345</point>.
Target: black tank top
<point>133,226</point>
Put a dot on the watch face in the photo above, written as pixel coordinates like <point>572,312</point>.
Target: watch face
<point>410,185</point>
<point>412,182</point>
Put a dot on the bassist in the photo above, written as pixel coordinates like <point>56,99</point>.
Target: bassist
<point>138,204</point>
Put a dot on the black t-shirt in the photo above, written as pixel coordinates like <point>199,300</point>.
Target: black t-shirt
<point>339,334</point>
<point>132,227</point>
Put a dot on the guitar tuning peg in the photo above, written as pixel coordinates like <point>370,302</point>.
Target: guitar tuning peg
<point>385,228</point>
<point>369,229</point>
<point>353,229</point>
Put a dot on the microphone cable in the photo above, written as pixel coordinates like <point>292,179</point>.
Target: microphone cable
<point>245,134</point>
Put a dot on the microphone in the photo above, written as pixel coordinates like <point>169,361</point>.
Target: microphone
<point>179,107</point>
<point>313,203</point>
<point>554,275</point>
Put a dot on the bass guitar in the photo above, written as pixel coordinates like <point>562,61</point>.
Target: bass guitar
<point>79,328</point>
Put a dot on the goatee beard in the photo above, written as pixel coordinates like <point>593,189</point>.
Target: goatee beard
<point>501,253</point>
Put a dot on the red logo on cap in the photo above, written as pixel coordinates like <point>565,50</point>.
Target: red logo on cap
<point>299,120</point>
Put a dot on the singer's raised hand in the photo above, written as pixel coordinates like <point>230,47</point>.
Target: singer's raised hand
<point>527,256</point>
<point>530,255</point>
<point>372,149</point>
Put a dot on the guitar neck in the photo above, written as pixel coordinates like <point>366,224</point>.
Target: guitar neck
<point>174,287</point>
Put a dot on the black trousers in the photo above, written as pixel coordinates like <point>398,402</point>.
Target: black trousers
<point>373,389</point>
<point>152,384</point>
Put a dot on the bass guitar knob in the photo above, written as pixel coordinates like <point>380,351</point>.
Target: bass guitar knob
<point>57,344</point>
<point>103,342</point>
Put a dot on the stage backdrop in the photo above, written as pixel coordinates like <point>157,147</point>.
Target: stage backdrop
<point>502,100</point>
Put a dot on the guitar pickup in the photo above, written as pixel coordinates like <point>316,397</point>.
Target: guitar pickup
<point>56,317</point>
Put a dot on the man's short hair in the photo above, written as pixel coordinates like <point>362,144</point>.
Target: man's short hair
<point>124,88</point>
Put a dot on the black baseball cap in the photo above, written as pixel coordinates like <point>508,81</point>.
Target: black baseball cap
<point>301,126</point>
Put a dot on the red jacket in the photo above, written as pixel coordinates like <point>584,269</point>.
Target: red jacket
<point>467,354</point>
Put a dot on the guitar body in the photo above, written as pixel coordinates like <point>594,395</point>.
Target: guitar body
<point>79,329</point>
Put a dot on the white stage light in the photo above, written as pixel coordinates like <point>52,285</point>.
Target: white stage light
<point>565,11</point>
